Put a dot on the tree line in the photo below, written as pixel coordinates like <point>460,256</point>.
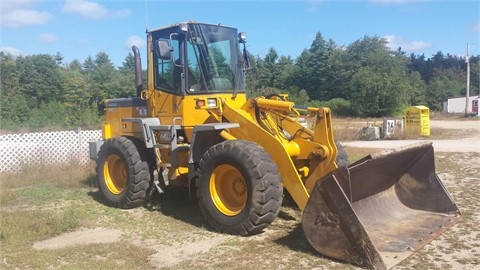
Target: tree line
<point>363,79</point>
<point>40,91</point>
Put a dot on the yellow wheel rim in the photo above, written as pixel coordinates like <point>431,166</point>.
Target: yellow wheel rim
<point>228,189</point>
<point>115,174</point>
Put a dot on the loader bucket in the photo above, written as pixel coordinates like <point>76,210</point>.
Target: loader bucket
<point>379,210</point>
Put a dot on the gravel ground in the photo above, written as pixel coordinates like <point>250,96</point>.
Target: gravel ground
<point>176,239</point>
<point>470,144</point>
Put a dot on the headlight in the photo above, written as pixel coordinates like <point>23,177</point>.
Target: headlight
<point>212,102</point>
<point>209,103</point>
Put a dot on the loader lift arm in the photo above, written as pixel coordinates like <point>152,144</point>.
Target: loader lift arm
<point>300,161</point>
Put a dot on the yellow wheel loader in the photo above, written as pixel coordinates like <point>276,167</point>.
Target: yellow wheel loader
<point>193,126</point>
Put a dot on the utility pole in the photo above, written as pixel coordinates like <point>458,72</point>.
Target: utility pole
<point>468,83</point>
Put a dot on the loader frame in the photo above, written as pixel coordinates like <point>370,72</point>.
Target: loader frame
<point>194,126</point>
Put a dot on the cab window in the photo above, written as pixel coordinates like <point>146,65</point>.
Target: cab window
<point>167,71</point>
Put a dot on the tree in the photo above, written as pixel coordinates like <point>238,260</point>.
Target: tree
<point>364,78</point>
<point>58,57</point>
<point>13,105</point>
<point>270,72</point>
<point>312,70</point>
<point>128,63</point>
<point>439,89</point>
<point>379,85</point>
<point>40,79</point>
<point>475,75</point>
<point>285,68</point>
<point>126,77</point>
<point>104,84</point>
<point>89,65</point>
<point>75,97</point>
<point>421,65</point>
<point>253,75</point>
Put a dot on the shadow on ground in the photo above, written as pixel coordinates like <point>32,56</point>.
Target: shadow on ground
<point>176,203</point>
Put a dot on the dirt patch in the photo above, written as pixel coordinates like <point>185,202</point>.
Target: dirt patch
<point>468,124</point>
<point>82,237</point>
<point>165,258</point>
<point>173,234</point>
<point>458,247</point>
<point>464,143</point>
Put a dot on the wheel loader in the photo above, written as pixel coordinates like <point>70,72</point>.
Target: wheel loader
<point>192,125</point>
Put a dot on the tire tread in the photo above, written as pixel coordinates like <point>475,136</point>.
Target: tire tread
<point>267,190</point>
<point>134,155</point>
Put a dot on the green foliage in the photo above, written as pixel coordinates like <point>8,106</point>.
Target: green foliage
<point>314,71</point>
<point>371,79</point>
<point>439,89</point>
<point>40,92</point>
<point>36,224</point>
<point>365,79</point>
<point>339,106</point>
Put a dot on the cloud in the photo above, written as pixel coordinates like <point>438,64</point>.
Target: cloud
<point>395,42</point>
<point>20,17</point>
<point>92,10</point>
<point>121,13</point>
<point>313,5</point>
<point>47,38</point>
<point>394,2</point>
<point>476,28</point>
<point>12,51</point>
<point>135,40</point>
<point>8,6</point>
<point>83,41</point>
<point>88,9</point>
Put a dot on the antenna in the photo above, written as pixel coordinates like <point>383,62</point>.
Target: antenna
<point>146,16</point>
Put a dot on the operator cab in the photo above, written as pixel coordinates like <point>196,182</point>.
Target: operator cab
<point>195,58</point>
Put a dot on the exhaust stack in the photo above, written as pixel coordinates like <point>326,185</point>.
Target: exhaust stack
<point>138,70</point>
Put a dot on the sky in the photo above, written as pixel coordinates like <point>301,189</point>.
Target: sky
<point>78,29</point>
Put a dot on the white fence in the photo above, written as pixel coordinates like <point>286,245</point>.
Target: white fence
<point>45,148</point>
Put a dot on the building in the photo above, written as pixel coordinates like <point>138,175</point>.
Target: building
<point>457,105</point>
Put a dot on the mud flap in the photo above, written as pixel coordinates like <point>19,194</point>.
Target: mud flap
<point>379,210</point>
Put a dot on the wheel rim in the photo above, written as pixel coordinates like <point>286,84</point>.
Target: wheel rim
<point>115,174</point>
<point>228,189</point>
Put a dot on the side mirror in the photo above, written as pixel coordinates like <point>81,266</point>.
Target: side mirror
<point>242,38</point>
<point>164,50</point>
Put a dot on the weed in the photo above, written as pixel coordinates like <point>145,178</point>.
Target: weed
<point>63,176</point>
<point>25,226</point>
<point>42,202</point>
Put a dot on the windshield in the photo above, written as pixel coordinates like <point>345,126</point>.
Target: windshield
<point>211,60</point>
<point>214,58</point>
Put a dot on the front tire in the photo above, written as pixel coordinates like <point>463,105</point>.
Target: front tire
<point>123,172</point>
<point>239,189</point>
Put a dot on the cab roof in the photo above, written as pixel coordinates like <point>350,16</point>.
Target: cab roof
<point>187,22</point>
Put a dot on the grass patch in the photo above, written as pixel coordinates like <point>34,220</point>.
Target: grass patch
<point>42,202</point>
<point>120,255</point>
<point>61,176</point>
<point>40,185</point>
<point>355,153</point>
<point>25,226</point>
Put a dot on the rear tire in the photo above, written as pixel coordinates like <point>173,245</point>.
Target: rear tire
<point>124,177</point>
<point>239,189</point>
